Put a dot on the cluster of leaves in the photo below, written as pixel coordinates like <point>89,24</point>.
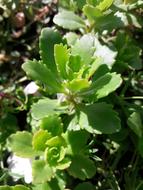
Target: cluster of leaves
<point>89,119</point>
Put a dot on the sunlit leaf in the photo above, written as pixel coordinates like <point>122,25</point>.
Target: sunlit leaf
<point>46,107</point>
<point>62,55</point>
<point>41,172</point>
<point>21,144</point>
<point>69,20</point>
<point>39,72</point>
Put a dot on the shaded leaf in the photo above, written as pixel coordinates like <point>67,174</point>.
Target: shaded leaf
<point>39,72</point>
<point>52,124</point>
<point>82,167</point>
<point>135,123</point>
<point>99,118</point>
<point>48,39</point>
<point>84,185</point>
<point>108,22</point>
<point>77,140</point>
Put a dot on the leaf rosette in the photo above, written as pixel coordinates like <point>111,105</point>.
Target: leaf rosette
<point>55,153</point>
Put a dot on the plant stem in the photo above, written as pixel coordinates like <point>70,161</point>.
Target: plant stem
<point>134,98</point>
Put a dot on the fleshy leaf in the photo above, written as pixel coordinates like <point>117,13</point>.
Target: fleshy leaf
<point>64,164</point>
<point>82,167</point>
<point>39,72</point>
<point>91,12</point>
<point>41,172</point>
<point>20,187</point>
<point>85,48</point>
<point>84,185</point>
<point>39,140</point>
<point>140,146</point>
<point>52,124</point>
<point>46,107</point>
<point>17,187</point>
<point>77,140</point>
<point>56,141</point>
<point>104,5</point>
<point>6,187</point>
<point>71,38</point>
<point>108,22</point>
<point>102,86</point>
<point>21,144</point>
<point>135,123</point>
<point>62,55</point>
<point>78,84</point>
<point>128,52</point>
<point>69,20</point>
<point>48,39</point>
<point>99,118</point>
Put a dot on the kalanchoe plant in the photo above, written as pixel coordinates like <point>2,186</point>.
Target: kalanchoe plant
<point>80,75</point>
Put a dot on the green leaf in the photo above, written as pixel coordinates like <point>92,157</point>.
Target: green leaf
<point>46,107</point>
<point>39,72</point>
<point>84,185</point>
<point>58,183</point>
<point>84,51</point>
<point>78,84</point>
<point>92,2</point>
<point>82,167</point>
<point>108,22</point>
<point>99,118</point>
<point>43,186</point>
<point>77,140</point>
<point>104,5</point>
<point>21,144</point>
<point>48,39</point>
<point>75,63</point>
<point>93,50</point>
<point>39,140</point>
<point>102,86</point>
<point>52,124</point>
<point>91,12</point>
<point>71,38</point>
<point>80,3</point>
<point>140,146</point>
<point>69,20</point>
<point>6,187</point>
<point>64,164</point>
<point>20,187</point>
<point>17,187</point>
<point>128,52</point>
<point>56,141</point>
<point>41,172</point>
<point>62,55</point>
<point>106,55</point>
<point>8,125</point>
<point>135,123</point>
